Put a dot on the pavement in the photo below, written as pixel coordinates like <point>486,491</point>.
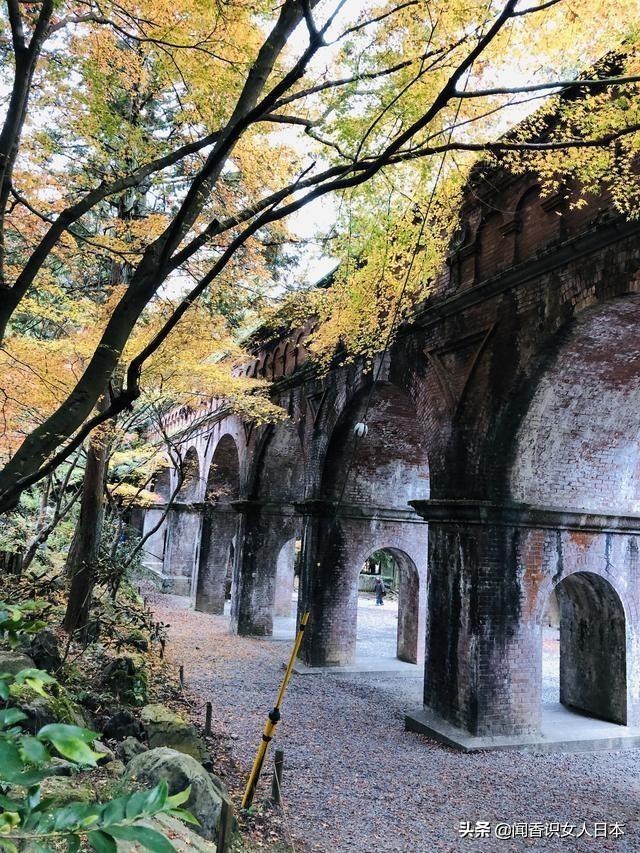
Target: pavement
<point>356,780</point>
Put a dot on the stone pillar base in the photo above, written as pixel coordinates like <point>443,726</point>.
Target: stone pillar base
<point>177,585</point>
<point>562,731</point>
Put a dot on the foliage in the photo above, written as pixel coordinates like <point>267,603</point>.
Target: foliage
<point>143,223</point>
<point>19,619</point>
<point>26,760</point>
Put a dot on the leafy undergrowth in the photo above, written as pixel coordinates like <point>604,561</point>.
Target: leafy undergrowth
<point>53,794</point>
<point>120,627</point>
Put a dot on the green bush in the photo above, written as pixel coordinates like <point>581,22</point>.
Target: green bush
<point>26,760</point>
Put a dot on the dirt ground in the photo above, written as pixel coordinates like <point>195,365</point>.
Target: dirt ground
<point>355,780</point>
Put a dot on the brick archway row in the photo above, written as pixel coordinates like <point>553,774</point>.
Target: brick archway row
<point>519,386</point>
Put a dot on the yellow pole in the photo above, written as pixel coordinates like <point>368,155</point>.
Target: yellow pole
<point>273,719</point>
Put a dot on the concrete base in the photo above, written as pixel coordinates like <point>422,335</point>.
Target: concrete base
<point>176,585</point>
<point>562,730</point>
<point>391,667</point>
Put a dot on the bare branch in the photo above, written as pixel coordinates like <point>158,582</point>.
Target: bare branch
<point>376,20</point>
<point>533,9</point>
<point>552,84</point>
<point>282,119</point>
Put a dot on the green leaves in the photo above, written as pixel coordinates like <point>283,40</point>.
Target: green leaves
<point>71,742</point>
<point>36,679</point>
<point>101,842</point>
<point>10,716</point>
<point>17,619</point>
<point>149,838</point>
<point>33,751</point>
<point>101,824</point>
<point>25,760</point>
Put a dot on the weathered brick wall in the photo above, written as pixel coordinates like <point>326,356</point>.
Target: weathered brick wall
<point>515,383</point>
<point>337,550</point>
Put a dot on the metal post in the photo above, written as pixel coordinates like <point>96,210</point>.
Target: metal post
<point>276,782</point>
<point>273,719</point>
<point>207,720</point>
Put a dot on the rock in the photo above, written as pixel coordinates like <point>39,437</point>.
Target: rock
<point>122,725</point>
<point>166,728</point>
<point>94,629</point>
<point>182,836</point>
<point>107,754</point>
<point>61,767</point>
<point>14,661</point>
<point>89,700</point>
<point>67,789</point>
<point>45,650</point>
<point>129,748</point>
<point>137,640</point>
<point>115,768</point>
<point>126,679</point>
<point>180,771</point>
<point>54,709</point>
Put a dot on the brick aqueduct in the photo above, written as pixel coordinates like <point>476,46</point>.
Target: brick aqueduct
<point>502,461</point>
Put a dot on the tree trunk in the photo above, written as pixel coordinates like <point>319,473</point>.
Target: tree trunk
<point>83,554</point>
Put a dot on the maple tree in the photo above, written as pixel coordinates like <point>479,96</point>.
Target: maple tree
<point>145,176</point>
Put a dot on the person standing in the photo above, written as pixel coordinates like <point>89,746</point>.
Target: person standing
<point>380,590</point>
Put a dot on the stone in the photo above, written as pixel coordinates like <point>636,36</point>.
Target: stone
<point>122,725</point>
<point>45,650</point>
<point>180,771</point>
<point>183,836</point>
<point>14,661</point>
<point>137,640</point>
<point>61,767</point>
<point>67,789</point>
<point>127,679</point>
<point>166,728</point>
<point>94,630</point>
<point>41,711</point>
<point>115,768</point>
<point>89,700</point>
<point>129,748</point>
<point>107,754</point>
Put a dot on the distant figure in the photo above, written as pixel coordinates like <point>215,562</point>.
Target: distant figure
<point>380,589</point>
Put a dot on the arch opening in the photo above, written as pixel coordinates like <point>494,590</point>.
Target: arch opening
<point>372,478</point>
<point>286,584</point>
<point>286,587</point>
<point>269,529</point>
<point>584,642</point>
<point>388,625</point>
<point>219,528</point>
<point>190,476</point>
<point>154,525</point>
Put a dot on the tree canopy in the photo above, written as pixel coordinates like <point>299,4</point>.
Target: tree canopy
<point>152,156</point>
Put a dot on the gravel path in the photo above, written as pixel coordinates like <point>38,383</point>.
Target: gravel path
<point>356,781</point>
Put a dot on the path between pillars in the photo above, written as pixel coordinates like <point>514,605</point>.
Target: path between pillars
<point>356,781</point>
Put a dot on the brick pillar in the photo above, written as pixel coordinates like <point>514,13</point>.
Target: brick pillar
<point>482,671</point>
<point>182,548</point>
<point>327,589</point>
<point>411,616</point>
<point>262,531</point>
<point>219,528</point>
